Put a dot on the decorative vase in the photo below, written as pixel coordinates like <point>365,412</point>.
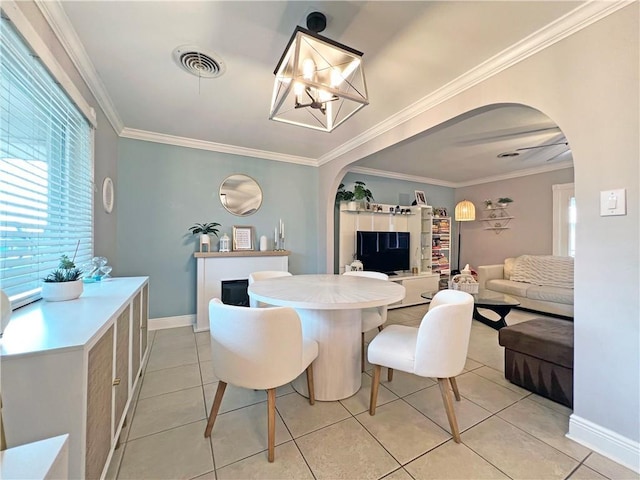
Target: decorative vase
<point>205,241</point>
<point>62,291</point>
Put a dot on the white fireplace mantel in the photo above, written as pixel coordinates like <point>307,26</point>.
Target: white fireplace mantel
<point>216,267</point>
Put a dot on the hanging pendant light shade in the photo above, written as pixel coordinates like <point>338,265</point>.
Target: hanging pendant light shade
<point>465,211</point>
<point>319,82</point>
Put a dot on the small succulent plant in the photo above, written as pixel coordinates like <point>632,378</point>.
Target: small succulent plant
<point>66,272</point>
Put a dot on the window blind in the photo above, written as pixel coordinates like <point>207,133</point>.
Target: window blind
<point>46,173</point>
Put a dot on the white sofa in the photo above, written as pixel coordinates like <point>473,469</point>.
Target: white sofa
<point>539,282</point>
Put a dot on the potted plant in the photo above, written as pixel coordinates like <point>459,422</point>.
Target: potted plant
<point>343,195</point>
<point>504,201</point>
<point>64,283</point>
<point>204,229</point>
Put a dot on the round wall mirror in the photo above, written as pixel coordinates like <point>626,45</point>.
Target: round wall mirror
<point>240,195</point>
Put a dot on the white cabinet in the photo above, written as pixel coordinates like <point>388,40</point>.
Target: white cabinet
<point>496,219</point>
<point>390,218</point>
<point>441,248</point>
<point>71,367</point>
<point>415,285</point>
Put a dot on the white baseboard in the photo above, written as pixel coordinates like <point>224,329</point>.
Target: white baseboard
<point>606,442</point>
<point>172,322</point>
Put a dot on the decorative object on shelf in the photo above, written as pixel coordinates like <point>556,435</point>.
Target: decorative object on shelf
<point>421,199</point>
<point>488,204</point>
<point>225,243</point>
<point>96,270</point>
<point>240,195</point>
<point>504,201</point>
<point>204,229</point>
<point>360,197</point>
<point>5,311</point>
<point>64,283</point>
<point>465,212</point>
<point>319,82</point>
<point>279,236</point>
<point>356,266</point>
<point>242,238</point>
<point>439,212</point>
<point>108,195</point>
<point>263,243</point>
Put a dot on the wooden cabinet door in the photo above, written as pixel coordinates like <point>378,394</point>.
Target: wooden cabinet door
<point>135,335</point>
<point>121,380</point>
<point>99,385</point>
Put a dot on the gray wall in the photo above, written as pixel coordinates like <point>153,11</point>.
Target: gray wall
<point>165,189</point>
<point>530,232</point>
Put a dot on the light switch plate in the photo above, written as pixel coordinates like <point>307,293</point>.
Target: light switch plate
<point>613,202</point>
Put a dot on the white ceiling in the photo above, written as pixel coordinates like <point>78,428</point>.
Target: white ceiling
<point>411,51</point>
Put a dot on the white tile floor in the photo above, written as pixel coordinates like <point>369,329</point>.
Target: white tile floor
<point>507,432</point>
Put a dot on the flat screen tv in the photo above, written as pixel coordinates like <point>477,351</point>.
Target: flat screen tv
<point>385,252</point>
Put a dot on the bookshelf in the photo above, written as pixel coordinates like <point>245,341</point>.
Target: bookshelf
<point>441,248</point>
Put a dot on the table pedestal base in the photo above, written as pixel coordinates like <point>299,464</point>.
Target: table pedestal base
<point>501,310</point>
<point>336,371</point>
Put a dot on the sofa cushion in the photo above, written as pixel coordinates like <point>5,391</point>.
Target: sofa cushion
<point>508,267</point>
<point>508,287</point>
<point>548,270</point>
<point>549,339</point>
<point>551,294</point>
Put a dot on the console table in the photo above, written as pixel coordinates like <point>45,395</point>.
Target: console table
<point>217,267</point>
<point>72,368</point>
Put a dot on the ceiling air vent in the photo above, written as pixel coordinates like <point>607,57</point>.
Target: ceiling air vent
<point>199,62</point>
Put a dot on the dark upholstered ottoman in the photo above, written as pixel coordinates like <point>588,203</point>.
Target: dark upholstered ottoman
<point>538,356</point>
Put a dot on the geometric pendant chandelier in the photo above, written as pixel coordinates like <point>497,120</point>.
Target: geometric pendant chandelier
<point>319,82</point>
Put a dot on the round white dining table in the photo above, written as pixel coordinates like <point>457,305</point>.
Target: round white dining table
<point>330,309</point>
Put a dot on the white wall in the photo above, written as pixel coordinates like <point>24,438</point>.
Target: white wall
<point>588,84</point>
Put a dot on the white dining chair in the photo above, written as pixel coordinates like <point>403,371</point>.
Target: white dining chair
<point>258,348</point>
<point>263,275</point>
<point>371,317</point>
<point>437,348</point>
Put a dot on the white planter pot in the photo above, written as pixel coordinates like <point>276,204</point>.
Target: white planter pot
<point>62,291</point>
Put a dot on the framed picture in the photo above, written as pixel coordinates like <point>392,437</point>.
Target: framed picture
<point>420,198</point>
<point>242,238</point>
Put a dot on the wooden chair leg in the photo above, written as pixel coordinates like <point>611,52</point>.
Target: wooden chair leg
<point>271,413</point>
<point>312,394</point>
<point>448,406</point>
<point>214,408</point>
<point>374,389</point>
<point>454,387</point>
<point>389,374</point>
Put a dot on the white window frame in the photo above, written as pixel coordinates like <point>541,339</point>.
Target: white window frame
<point>562,195</point>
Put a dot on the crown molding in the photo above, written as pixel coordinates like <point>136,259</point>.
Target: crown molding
<point>517,174</point>
<point>443,183</point>
<point>214,147</point>
<point>400,176</point>
<point>579,18</point>
<point>55,15</point>
<point>575,20</point>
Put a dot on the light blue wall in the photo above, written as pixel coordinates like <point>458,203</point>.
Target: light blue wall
<point>401,192</point>
<point>164,189</point>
